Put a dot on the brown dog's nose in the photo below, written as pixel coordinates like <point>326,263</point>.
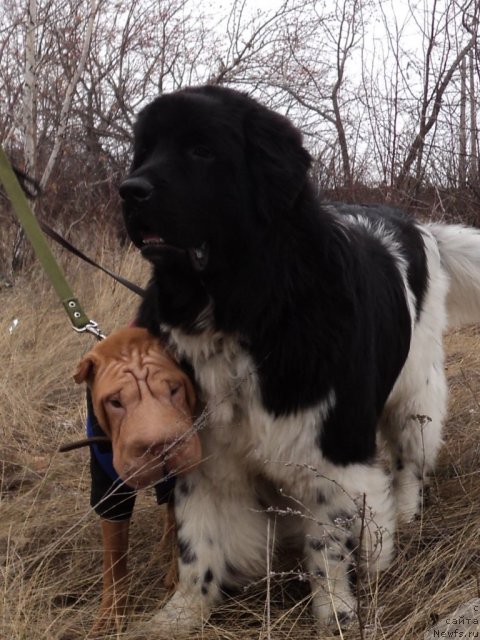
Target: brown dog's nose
<point>151,449</point>
<point>136,189</point>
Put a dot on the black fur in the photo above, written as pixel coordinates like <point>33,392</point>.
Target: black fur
<point>184,488</point>
<point>318,302</point>
<point>317,545</point>
<point>187,555</point>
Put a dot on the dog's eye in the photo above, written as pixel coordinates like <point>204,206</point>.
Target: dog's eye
<point>174,389</point>
<point>202,151</point>
<point>115,403</point>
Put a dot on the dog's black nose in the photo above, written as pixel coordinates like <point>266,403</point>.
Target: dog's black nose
<point>135,189</point>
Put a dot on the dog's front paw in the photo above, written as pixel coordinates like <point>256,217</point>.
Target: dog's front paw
<point>333,611</point>
<point>181,615</point>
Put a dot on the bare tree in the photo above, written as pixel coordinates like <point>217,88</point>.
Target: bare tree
<point>438,23</point>
<point>462,160</point>
<point>377,108</point>
<point>70,91</point>
<point>30,90</point>
<point>474,166</point>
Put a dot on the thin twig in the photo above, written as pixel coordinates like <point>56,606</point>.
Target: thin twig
<point>358,561</point>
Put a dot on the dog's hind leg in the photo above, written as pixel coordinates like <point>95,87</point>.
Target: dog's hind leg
<point>413,417</point>
<point>412,425</point>
<point>414,434</point>
<point>223,544</point>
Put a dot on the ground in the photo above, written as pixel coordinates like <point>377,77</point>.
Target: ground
<point>50,546</point>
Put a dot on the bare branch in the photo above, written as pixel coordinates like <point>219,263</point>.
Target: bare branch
<point>65,110</point>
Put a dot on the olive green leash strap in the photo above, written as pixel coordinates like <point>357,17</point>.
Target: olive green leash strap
<point>14,191</point>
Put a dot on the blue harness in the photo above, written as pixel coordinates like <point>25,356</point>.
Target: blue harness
<point>104,458</point>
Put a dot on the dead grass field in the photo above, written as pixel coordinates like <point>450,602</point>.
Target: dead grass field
<point>50,551</point>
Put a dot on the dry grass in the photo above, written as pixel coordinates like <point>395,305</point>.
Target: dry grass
<point>49,539</point>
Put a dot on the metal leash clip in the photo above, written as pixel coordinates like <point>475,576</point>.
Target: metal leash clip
<point>93,328</point>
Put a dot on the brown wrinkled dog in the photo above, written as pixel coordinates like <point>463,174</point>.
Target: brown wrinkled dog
<point>144,403</point>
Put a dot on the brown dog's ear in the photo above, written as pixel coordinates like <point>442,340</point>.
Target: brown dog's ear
<point>84,369</point>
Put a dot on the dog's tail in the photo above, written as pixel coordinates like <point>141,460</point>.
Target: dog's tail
<point>460,256</point>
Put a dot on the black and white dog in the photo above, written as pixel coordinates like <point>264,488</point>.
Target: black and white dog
<point>311,329</point>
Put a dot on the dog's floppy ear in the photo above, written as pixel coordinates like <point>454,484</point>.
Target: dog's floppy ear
<point>277,160</point>
<point>85,373</point>
<point>84,369</point>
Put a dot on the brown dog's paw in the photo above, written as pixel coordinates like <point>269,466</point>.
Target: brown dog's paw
<point>106,626</point>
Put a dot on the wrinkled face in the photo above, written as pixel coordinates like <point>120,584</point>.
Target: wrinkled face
<point>211,170</point>
<point>144,403</point>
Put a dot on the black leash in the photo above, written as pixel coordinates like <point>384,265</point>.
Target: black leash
<point>32,190</point>
<point>70,247</point>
